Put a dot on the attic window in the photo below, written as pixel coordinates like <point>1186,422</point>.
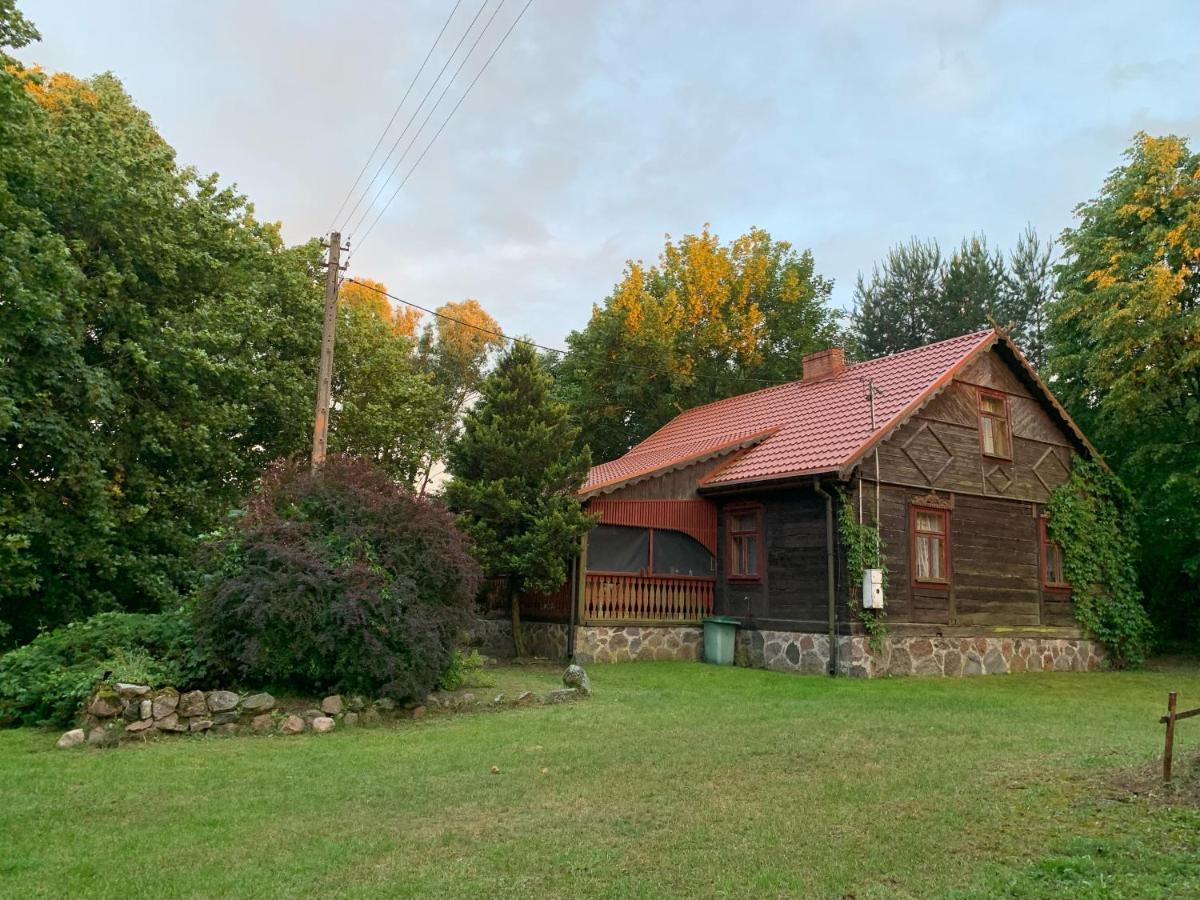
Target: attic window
<point>994,435</point>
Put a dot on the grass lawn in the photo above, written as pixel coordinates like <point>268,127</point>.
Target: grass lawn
<point>676,779</point>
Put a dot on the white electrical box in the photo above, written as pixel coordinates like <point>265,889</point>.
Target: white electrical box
<point>872,588</point>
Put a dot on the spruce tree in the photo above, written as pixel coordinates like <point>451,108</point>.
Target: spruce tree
<point>1031,282</point>
<point>896,309</point>
<point>515,473</point>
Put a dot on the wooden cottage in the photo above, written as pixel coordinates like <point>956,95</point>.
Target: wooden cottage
<point>731,508</point>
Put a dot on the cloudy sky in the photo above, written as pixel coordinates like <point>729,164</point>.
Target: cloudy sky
<point>600,127</point>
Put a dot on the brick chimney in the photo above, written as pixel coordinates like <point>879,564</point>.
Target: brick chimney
<point>824,364</point>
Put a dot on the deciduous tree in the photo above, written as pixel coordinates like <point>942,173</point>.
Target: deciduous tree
<point>158,345</point>
<point>1125,354</point>
<point>709,320</point>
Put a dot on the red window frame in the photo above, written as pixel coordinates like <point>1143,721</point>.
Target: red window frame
<point>1049,547</point>
<point>734,537</point>
<point>1002,421</point>
<point>915,535</point>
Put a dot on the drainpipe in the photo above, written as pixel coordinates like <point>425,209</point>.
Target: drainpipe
<point>829,571</point>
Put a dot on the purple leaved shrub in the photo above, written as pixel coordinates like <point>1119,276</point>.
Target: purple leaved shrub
<point>336,580</point>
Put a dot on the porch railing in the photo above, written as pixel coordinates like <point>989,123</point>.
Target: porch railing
<point>649,599</point>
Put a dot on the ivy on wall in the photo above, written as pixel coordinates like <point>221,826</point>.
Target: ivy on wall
<point>1091,518</point>
<point>864,550</point>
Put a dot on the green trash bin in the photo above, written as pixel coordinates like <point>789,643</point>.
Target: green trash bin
<point>720,635</point>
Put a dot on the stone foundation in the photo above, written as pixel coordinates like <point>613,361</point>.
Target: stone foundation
<point>629,643</point>
<point>790,651</point>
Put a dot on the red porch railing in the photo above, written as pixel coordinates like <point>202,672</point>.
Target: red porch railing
<point>650,599</point>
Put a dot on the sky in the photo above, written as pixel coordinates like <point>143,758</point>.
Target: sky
<point>601,127</point>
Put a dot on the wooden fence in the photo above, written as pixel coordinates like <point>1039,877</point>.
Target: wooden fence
<point>1169,720</point>
<point>646,599</point>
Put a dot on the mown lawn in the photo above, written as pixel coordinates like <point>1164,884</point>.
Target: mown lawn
<point>676,779</point>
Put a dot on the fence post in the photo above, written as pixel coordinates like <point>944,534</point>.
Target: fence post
<point>1170,740</point>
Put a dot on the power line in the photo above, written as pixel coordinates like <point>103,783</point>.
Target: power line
<point>407,125</point>
<point>395,113</point>
<point>625,365</point>
<point>486,63</point>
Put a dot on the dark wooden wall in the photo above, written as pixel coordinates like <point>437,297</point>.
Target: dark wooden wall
<point>793,593</point>
<point>994,539</point>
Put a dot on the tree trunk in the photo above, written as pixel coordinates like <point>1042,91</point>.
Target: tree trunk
<point>518,637</point>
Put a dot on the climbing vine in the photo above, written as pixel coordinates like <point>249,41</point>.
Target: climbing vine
<point>1090,518</point>
<point>864,550</point>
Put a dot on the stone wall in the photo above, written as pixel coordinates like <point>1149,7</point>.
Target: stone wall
<point>628,643</point>
<point>124,712</point>
<point>789,651</point>
<point>491,637</point>
<point>494,637</point>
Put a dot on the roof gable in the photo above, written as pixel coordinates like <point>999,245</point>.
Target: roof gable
<point>802,428</point>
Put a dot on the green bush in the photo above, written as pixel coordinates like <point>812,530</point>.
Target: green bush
<point>463,665</point>
<point>337,580</point>
<point>47,680</point>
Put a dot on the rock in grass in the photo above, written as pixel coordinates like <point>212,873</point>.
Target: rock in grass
<point>385,704</point>
<point>201,725</point>
<point>332,705</point>
<point>263,724</point>
<point>225,718</point>
<point>322,724</point>
<point>139,725</point>
<point>257,703</point>
<point>132,691</point>
<point>145,709</point>
<point>525,697</point>
<point>102,737</point>
<point>578,679</point>
<point>222,701</point>
<point>418,712</point>
<point>350,719</point>
<point>292,725</point>
<point>559,695</point>
<point>193,704</point>
<point>72,738</point>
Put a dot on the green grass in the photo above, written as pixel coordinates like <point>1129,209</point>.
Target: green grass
<point>676,779</point>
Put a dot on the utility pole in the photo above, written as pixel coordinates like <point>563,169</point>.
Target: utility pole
<point>321,419</point>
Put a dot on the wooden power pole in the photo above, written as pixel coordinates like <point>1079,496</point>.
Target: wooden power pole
<point>324,380</point>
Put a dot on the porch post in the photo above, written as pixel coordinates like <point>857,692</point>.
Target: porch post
<point>580,585</point>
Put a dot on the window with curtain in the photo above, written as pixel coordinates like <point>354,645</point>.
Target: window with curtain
<point>931,546</point>
<point>994,433</point>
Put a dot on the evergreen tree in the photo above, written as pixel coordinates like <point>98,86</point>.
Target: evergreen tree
<point>918,296</point>
<point>1031,283</point>
<point>515,473</point>
<point>974,291</point>
<point>892,312</point>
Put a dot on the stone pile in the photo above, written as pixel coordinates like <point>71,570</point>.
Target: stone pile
<point>127,711</point>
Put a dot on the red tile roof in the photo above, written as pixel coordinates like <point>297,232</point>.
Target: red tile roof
<point>799,428</point>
